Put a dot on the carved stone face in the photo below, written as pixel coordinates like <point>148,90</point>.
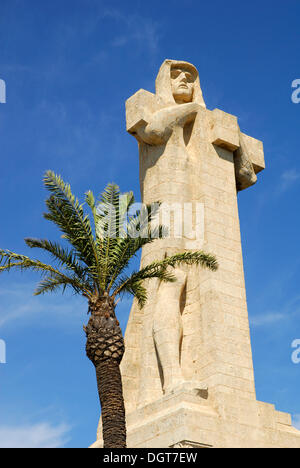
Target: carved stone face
<point>182,83</point>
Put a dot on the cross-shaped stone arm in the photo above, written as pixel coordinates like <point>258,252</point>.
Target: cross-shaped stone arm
<point>224,132</point>
<point>248,152</point>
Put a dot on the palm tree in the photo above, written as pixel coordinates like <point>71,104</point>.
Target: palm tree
<point>94,264</point>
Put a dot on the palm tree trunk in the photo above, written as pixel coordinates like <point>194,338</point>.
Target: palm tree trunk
<point>112,403</point>
<point>105,348</point>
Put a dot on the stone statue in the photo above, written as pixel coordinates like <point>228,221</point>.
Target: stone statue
<point>173,128</point>
<point>163,137</point>
<point>187,371</point>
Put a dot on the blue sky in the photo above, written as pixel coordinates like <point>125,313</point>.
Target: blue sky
<point>68,68</point>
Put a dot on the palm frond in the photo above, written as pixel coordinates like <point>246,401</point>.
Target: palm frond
<point>125,283</point>
<point>90,200</point>
<point>66,212</point>
<point>65,258</point>
<point>10,260</point>
<point>110,216</point>
<point>199,257</point>
<point>140,231</point>
<point>159,269</point>
<point>53,282</point>
<point>136,289</point>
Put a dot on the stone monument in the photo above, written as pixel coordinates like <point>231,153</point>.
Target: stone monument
<point>187,371</point>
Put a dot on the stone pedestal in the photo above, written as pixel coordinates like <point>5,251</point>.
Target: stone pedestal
<point>190,418</point>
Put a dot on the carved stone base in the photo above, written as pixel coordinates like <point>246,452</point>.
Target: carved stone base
<point>192,418</point>
<point>189,444</point>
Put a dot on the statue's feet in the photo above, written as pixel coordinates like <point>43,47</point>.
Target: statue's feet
<point>173,386</point>
<point>181,385</point>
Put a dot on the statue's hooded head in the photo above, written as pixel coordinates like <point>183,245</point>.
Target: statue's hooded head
<point>178,81</point>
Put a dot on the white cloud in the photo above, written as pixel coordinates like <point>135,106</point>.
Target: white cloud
<point>138,29</point>
<point>18,302</point>
<point>288,310</point>
<point>19,306</point>
<point>296,421</point>
<point>266,319</point>
<point>288,178</point>
<point>42,435</point>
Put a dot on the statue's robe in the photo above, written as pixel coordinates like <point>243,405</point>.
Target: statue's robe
<point>205,162</point>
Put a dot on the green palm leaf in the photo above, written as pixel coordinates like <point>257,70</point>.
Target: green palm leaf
<point>159,270</point>
<point>64,257</point>
<point>9,260</point>
<point>67,213</point>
